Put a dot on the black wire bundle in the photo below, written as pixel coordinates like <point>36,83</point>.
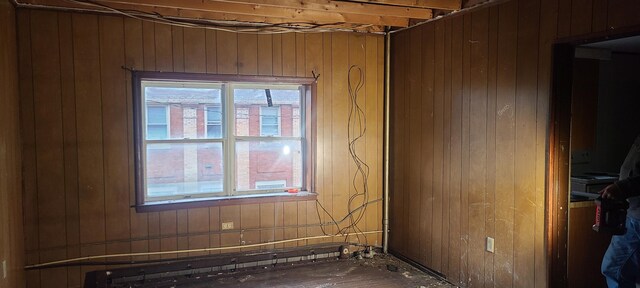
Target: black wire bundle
<point>356,129</point>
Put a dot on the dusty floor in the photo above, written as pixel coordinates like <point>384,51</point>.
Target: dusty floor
<point>368,273</point>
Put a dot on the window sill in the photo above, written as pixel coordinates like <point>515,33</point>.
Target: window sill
<point>225,201</point>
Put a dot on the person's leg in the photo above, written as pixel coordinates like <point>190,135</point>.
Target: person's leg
<point>620,263</point>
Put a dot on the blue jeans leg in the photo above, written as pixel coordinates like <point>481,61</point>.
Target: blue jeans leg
<point>621,261</point>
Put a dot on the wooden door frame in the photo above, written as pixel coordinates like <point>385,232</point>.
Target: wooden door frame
<point>559,152</point>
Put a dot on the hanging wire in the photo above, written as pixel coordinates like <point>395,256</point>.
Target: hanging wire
<point>356,129</point>
<point>236,27</point>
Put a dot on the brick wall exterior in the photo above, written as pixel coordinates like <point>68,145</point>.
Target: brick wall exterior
<point>176,163</point>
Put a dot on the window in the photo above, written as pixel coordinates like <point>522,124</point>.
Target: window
<point>157,127</point>
<point>269,121</point>
<point>214,122</point>
<point>220,137</point>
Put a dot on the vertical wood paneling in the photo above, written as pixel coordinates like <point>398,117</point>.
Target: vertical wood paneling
<point>426,142</point>
<point>526,99</point>
<point>398,135</point>
<point>86,46</point>
<point>464,212</point>
<point>455,251</point>
<point>505,133</point>
<point>134,58</point>
<point>11,227</point>
<point>115,141</point>
<point>446,134</point>
<point>92,135</point>
<point>599,22</point>
<point>412,84</point>
<point>48,120</point>
<point>477,144</point>
<point>548,22</point>
<point>623,13</point>
<point>27,128</point>
<point>581,19</point>
<point>438,147</point>
<point>327,116</point>
<point>339,98</point>
<point>70,149</point>
<point>314,66</point>
<point>247,54</point>
<point>265,55</point>
<point>373,133</point>
<point>497,77</point>
<point>564,21</point>
<point>490,191</point>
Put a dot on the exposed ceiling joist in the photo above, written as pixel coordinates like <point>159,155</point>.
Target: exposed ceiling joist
<point>342,7</point>
<point>294,15</point>
<point>429,4</point>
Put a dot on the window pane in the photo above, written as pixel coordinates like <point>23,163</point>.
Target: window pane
<point>174,170</point>
<point>186,107</point>
<point>157,115</point>
<point>260,161</point>
<point>214,131</point>
<point>214,122</point>
<point>269,130</point>
<point>156,132</point>
<point>251,109</point>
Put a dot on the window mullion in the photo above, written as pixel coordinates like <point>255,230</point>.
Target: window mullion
<point>230,135</point>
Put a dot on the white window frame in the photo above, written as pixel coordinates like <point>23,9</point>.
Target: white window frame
<point>228,139</point>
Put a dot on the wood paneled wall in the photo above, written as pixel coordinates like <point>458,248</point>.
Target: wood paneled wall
<point>77,130</point>
<point>470,112</point>
<point>11,233</point>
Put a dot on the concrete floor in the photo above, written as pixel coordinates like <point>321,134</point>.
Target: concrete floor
<point>369,273</point>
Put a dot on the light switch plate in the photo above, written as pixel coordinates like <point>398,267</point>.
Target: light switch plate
<point>490,244</point>
<point>227,225</point>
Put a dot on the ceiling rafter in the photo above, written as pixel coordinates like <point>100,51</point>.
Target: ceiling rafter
<point>342,7</point>
<point>295,15</point>
<point>429,4</point>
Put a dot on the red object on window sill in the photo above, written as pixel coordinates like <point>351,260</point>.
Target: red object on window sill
<point>295,190</point>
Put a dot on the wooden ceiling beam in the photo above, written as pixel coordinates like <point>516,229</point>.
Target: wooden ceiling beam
<point>295,15</point>
<point>189,14</point>
<point>429,4</point>
<point>343,7</point>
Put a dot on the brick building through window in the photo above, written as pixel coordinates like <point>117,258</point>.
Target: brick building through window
<point>213,139</point>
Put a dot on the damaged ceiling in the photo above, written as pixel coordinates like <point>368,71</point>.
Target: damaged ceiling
<point>271,16</point>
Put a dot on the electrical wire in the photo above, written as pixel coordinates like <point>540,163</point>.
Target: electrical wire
<point>236,27</point>
<point>88,258</point>
<point>356,129</point>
